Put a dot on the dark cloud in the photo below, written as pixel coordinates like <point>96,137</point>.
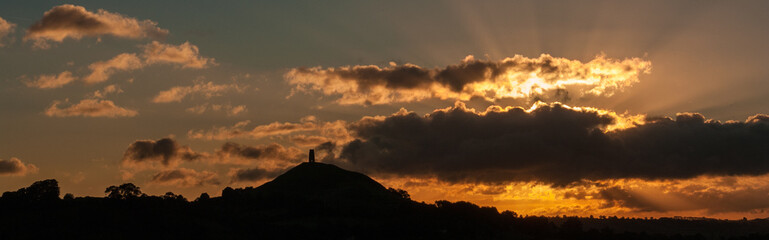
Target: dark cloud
<point>185,178</point>
<point>15,167</point>
<point>230,151</point>
<point>517,77</point>
<point>165,150</point>
<point>254,174</point>
<point>70,21</point>
<point>326,150</point>
<point>554,144</point>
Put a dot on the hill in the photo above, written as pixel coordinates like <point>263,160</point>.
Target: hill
<point>325,182</point>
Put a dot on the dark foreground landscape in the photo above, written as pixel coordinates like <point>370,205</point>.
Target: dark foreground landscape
<point>317,201</point>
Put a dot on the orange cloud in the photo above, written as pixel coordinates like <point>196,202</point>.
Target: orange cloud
<point>70,21</point>
<point>208,90</point>
<point>101,71</point>
<point>186,55</point>
<point>6,28</point>
<point>110,89</point>
<point>14,167</point>
<point>51,81</point>
<point>714,196</point>
<point>336,130</point>
<point>546,78</point>
<point>89,108</point>
<point>229,109</point>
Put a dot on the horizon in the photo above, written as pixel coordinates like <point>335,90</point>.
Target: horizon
<point>631,109</point>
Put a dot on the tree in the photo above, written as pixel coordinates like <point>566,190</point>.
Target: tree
<point>203,197</point>
<point>400,193</point>
<point>68,196</point>
<point>39,191</point>
<point>124,191</point>
<point>509,214</point>
<point>228,192</point>
<point>571,226</point>
<point>172,196</point>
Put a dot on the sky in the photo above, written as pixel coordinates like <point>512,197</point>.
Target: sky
<point>627,108</point>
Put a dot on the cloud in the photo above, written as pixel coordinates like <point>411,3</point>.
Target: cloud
<point>184,177</point>
<point>208,90</point>
<point>544,78</point>
<point>6,28</point>
<point>273,153</point>
<point>14,167</point>
<point>110,89</point>
<point>70,21</point>
<point>165,151</point>
<point>89,108</point>
<point>308,141</point>
<point>714,194</point>
<point>101,71</point>
<point>186,55</point>
<point>253,174</point>
<point>229,109</point>
<point>336,130</point>
<point>51,81</point>
<point>554,144</point>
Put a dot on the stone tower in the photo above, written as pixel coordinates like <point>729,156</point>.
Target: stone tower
<point>312,155</point>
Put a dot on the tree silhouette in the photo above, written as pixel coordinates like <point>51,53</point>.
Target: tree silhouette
<point>124,191</point>
<point>400,193</point>
<point>203,197</point>
<point>172,196</point>
<point>39,191</point>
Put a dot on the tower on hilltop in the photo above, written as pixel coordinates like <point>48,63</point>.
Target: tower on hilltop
<point>312,155</point>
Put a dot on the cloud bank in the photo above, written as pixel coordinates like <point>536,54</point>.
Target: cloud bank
<point>75,22</point>
<point>14,167</point>
<point>555,144</point>
<point>544,78</point>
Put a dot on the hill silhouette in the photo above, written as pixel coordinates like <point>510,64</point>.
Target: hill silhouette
<point>315,201</point>
<point>324,182</point>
